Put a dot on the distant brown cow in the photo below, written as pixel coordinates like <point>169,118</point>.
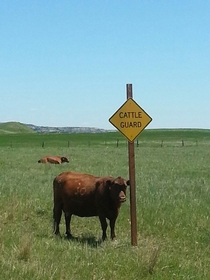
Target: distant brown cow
<point>86,195</point>
<point>53,159</point>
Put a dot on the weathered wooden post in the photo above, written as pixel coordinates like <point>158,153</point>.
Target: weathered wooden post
<point>130,119</point>
<point>182,143</point>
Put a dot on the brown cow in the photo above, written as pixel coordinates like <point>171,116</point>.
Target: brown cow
<point>86,195</point>
<point>53,159</point>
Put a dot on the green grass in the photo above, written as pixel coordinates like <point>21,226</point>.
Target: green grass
<point>173,208</point>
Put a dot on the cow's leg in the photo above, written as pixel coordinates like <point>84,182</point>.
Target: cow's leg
<point>68,220</point>
<point>103,227</point>
<point>112,227</point>
<point>57,212</point>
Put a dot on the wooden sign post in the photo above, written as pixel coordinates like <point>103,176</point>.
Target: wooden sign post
<point>130,119</point>
<point>131,160</point>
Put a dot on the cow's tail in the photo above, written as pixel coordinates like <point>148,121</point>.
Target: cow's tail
<point>58,207</point>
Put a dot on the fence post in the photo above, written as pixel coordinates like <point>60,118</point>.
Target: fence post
<point>182,143</point>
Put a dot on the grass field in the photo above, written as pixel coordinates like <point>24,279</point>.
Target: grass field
<point>173,207</point>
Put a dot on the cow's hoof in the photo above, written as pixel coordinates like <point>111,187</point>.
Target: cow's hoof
<point>58,235</point>
<point>69,236</point>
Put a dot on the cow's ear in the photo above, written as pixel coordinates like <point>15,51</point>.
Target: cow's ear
<point>128,182</point>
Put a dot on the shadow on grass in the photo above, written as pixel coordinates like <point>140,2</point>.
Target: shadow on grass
<point>88,240</point>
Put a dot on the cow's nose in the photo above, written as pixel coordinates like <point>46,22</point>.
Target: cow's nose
<point>122,197</point>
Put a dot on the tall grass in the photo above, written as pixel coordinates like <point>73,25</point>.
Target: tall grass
<point>173,206</point>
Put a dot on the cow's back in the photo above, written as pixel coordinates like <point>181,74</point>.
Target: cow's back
<point>50,159</point>
<point>54,159</point>
<point>76,192</point>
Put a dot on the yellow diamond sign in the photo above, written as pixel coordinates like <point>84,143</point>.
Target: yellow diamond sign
<point>130,119</point>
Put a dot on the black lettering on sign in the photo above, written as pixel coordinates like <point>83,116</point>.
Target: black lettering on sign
<point>133,115</point>
<point>130,124</point>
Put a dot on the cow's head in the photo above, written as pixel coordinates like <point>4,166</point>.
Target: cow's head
<point>117,188</point>
<point>64,159</point>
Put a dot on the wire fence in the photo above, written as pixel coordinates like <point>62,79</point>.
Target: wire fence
<point>114,143</point>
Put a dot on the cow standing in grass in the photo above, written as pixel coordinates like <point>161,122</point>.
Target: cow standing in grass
<point>53,159</point>
<point>86,195</point>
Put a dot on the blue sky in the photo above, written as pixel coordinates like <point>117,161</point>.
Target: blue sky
<point>67,63</point>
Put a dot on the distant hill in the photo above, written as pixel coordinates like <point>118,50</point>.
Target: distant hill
<point>66,129</point>
<point>16,127</point>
